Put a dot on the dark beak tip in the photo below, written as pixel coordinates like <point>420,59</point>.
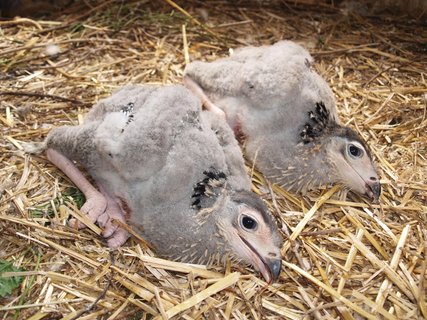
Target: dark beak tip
<point>374,191</point>
<point>275,267</point>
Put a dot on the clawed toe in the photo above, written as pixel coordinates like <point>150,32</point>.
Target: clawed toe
<point>75,224</point>
<point>118,238</point>
<point>94,207</point>
<point>103,219</point>
<point>109,228</point>
<point>108,221</point>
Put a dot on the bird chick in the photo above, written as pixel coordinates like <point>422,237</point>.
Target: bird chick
<point>174,173</point>
<point>286,112</point>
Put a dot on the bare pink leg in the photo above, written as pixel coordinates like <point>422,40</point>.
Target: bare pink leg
<point>198,91</point>
<point>117,235</point>
<point>95,202</point>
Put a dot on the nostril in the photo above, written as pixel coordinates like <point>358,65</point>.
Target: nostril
<point>373,179</point>
<point>272,254</point>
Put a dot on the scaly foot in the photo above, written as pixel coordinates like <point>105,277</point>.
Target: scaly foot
<point>117,235</point>
<point>94,207</point>
<point>95,202</point>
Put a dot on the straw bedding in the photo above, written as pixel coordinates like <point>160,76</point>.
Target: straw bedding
<point>344,258</point>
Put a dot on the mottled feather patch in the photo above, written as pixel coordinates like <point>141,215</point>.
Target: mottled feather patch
<point>208,187</point>
<point>193,118</point>
<point>128,112</point>
<point>319,120</point>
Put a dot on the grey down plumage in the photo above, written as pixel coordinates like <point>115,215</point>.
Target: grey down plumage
<point>286,112</point>
<point>176,173</point>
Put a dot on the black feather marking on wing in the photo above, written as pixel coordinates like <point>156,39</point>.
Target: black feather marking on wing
<point>208,187</point>
<point>128,111</point>
<point>319,120</point>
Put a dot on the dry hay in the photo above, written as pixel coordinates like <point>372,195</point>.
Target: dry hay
<point>343,257</point>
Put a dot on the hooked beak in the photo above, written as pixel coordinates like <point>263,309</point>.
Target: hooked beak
<point>373,190</point>
<point>362,177</point>
<point>274,266</point>
<point>270,268</point>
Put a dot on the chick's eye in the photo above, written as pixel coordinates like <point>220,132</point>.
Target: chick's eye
<point>249,223</point>
<point>355,151</point>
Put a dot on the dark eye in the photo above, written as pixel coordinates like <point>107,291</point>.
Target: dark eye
<point>249,223</point>
<point>355,151</point>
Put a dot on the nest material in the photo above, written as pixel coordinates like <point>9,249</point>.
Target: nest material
<point>342,257</point>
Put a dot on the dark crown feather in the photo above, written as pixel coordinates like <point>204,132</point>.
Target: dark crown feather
<point>319,120</point>
<point>208,187</point>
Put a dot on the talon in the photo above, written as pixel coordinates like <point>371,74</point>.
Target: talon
<point>119,238</point>
<point>109,229</point>
<point>75,224</point>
